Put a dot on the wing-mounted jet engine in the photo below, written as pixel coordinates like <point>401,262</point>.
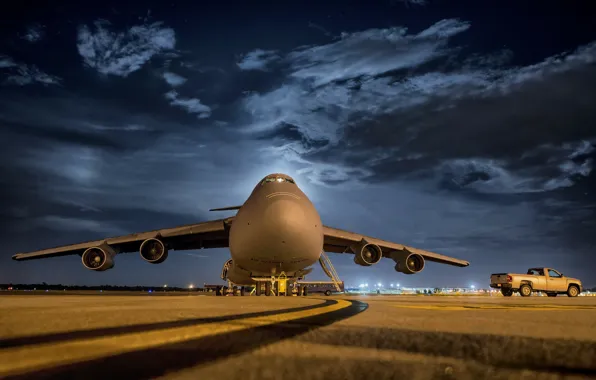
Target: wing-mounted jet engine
<point>153,251</point>
<point>100,258</point>
<point>366,254</point>
<point>407,262</point>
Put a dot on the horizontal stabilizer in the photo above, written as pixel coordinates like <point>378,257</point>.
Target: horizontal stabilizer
<point>226,208</point>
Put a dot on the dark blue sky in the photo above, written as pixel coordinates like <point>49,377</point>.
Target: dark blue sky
<point>461,127</point>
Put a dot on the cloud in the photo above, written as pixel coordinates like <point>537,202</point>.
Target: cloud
<point>30,74</point>
<point>407,3</point>
<point>191,105</point>
<point>120,54</point>
<point>6,62</point>
<point>385,104</point>
<point>34,33</point>
<point>258,60</point>
<point>373,52</point>
<point>22,74</point>
<point>173,79</point>
<point>60,223</point>
<point>494,176</point>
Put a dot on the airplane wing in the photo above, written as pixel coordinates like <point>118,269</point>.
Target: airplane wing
<point>340,241</point>
<point>211,234</point>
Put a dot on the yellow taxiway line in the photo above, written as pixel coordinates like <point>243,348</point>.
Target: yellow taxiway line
<point>42,356</point>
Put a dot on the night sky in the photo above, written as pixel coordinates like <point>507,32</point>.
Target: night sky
<point>467,128</point>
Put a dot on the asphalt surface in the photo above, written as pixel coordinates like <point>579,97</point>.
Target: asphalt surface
<point>364,337</point>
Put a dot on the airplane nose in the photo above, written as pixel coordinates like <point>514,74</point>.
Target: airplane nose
<point>286,215</point>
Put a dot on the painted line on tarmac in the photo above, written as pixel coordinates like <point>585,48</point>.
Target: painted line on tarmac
<point>143,327</point>
<point>496,307</point>
<point>142,355</point>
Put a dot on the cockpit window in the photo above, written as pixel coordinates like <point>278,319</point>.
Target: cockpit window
<point>277,179</point>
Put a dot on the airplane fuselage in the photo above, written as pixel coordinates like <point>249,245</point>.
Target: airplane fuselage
<point>276,230</point>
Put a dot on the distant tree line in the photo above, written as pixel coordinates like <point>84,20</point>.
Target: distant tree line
<point>45,286</point>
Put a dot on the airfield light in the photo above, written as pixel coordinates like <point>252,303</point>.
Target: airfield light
<point>361,286</point>
<point>398,285</point>
<point>472,286</point>
<point>379,284</point>
<point>366,285</point>
<point>191,286</point>
<point>165,286</point>
<point>391,285</point>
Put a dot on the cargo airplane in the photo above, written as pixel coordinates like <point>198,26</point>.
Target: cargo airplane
<point>276,230</point>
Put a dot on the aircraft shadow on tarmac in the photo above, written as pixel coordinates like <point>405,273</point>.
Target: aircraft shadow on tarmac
<point>563,356</point>
<point>145,327</point>
<point>157,361</point>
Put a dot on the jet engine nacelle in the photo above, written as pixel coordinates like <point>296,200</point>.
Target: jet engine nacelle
<point>408,262</point>
<point>99,258</point>
<point>153,251</point>
<point>366,254</point>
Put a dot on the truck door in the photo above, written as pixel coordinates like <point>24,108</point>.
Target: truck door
<point>539,283</point>
<point>556,282</point>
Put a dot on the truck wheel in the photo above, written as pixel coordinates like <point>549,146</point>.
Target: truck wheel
<point>573,291</point>
<point>525,290</point>
<point>507,292</point>
<point>327,292</point>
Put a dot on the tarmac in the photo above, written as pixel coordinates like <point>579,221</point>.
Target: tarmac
<point>315,337</point>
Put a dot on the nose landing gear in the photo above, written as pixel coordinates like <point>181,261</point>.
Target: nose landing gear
<point>278,286</point>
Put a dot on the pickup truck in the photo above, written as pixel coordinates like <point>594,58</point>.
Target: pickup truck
<point>545,280</point>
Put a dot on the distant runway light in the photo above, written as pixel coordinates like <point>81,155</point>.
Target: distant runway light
<point>165,286</point>
<point>472,286</point>
<point>379,284</point>
<point>191,286</point>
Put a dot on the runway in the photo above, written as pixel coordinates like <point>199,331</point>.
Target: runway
<point>364,337</point>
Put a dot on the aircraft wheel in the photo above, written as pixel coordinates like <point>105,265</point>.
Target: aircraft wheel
<point>242,291</point>
<point>304,291</point>
<point>525,290</point>
<point>573,291</point>
<point>268,288</point>
<point>258,288</point>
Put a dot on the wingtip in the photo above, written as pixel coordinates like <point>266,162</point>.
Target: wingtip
<point>16,257</point>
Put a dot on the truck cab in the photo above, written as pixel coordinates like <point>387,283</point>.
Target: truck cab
<point>547,280</point>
